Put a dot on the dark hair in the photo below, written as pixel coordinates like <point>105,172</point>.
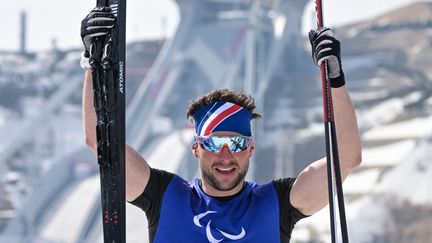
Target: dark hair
<point>240,98</point>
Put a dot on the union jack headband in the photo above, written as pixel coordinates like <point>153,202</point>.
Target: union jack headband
<point>222,116</point>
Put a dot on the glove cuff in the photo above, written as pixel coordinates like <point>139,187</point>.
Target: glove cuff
<point>84,62</point>
<point>338,81</point>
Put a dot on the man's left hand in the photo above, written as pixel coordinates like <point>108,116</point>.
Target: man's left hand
<point>326,47</point>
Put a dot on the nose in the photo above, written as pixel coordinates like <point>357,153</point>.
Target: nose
<point>225,152</point>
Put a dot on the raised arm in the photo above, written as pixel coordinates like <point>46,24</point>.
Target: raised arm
<point>98,23</point>
<point>309,193</point>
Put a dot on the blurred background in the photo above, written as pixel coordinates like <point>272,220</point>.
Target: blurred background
<point>178,50</point>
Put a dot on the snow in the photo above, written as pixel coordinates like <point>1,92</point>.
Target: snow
<point>413,187</point>
<point>413,97</point>
<point>387,110</point>
<point>66,224</point>
<point>136,230</point>
<point>366,218</point>
<point>362,96</point>
<point>429,100</point>
<point>414,128</point>
<point>11,177</point>
<point>319,222</point>
<point>408,180</point>
<point>387,155</point>
<point>361,182</point>
<point>382,113</point>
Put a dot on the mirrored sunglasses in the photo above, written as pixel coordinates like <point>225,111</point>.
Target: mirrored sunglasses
<point>214,144</point>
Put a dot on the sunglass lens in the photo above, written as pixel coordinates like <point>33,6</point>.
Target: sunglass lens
<point>238,144</point>
<point>209,145</point>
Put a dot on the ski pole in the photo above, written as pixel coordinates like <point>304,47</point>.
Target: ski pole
<point>333,165</point>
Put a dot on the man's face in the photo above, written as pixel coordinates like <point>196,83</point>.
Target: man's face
<point>224,171</point>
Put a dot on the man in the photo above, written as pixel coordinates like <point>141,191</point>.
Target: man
<point>221,205</point>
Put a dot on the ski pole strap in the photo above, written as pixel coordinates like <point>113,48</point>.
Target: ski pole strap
<point>338,81</point>
<point>84,61</point>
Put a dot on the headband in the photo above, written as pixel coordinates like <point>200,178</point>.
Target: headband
<point>222,116</point>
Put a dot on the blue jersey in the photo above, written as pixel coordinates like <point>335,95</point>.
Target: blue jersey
<point>185,214</point>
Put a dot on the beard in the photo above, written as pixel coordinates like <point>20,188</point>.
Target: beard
<point>218,185</point>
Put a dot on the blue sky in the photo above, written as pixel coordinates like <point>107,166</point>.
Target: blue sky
<point>60,19</point>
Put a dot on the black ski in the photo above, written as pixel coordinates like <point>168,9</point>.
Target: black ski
<point>107,61</point>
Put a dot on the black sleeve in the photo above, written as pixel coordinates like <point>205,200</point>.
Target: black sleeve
<point>288,215</point>
<point>151,199</point>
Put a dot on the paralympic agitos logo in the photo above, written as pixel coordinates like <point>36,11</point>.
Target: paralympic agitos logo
<point>210,237</point>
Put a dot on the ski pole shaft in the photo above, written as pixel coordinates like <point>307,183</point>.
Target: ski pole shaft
<point>333,166</point>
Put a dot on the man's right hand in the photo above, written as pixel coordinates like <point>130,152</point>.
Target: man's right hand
<point>98,22</point>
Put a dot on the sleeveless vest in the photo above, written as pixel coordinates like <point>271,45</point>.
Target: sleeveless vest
<point>188,215</point>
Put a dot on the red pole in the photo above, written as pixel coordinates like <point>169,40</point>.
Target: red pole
<point>333,166</point>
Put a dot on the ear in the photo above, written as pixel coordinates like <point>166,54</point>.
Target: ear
<point>251,149</point>
<point>194,150</point>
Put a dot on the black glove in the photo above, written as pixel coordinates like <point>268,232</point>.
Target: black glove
<point>326,47</point>
<point>98,22</point>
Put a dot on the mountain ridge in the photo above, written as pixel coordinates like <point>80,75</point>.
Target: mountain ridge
<point>417,15</point>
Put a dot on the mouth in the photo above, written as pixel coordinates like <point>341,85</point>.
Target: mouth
<point>225,171</point>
